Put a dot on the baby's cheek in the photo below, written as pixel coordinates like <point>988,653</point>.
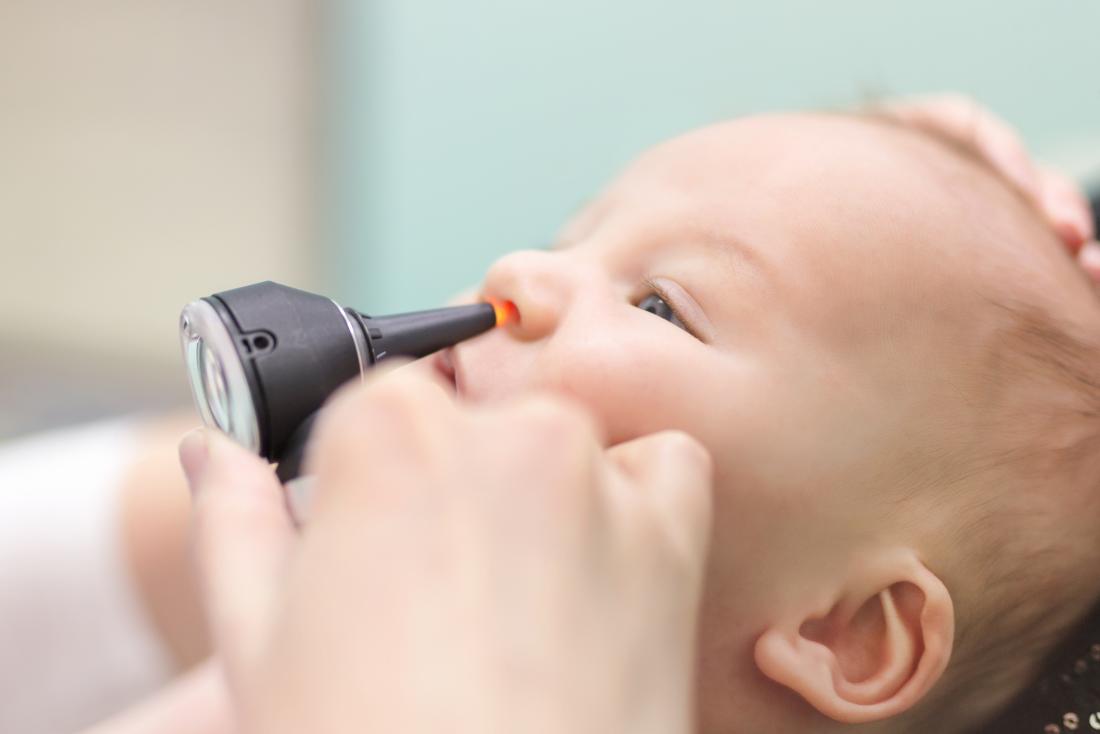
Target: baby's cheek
<point>634,393</point>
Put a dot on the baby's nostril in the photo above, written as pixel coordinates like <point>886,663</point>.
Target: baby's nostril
<point>506,312</point>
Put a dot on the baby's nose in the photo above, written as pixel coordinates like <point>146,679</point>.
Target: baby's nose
<point>538,282</point>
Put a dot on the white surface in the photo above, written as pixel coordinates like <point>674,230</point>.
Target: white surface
<point>75,645</point>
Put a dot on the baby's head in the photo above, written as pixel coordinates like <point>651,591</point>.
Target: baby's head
<point>895,366</point>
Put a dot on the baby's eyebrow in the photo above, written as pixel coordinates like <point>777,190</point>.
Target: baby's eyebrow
<point>734,253</point>
<point>731,249</point>
<point>589,215</point>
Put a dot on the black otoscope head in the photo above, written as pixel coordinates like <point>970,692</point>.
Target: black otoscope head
<point>262,359</point>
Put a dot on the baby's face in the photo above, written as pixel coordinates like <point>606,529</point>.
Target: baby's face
<point>822,268</point>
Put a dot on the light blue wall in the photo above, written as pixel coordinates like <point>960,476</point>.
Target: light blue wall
<point>463,130</point>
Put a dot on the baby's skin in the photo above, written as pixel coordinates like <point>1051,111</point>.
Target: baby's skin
<point>809,297</point>
<point>830,274</point>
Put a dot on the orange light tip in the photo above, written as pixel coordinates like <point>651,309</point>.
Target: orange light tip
<point>505,311</point>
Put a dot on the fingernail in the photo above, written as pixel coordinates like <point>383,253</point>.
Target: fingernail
<point>1070,211</point>
<point>194,454</point>
<point>1089,257</point>
<point>1084,221</point>
<point>1069,233</point>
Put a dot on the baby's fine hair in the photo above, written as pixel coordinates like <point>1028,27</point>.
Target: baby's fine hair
<point>1032,624</point>
<point>1037,576</point>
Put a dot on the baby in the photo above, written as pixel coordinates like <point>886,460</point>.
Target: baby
<point>896,366</point>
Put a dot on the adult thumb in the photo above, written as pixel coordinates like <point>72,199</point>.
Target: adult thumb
<point>676,472</point>
<point>242,535</point>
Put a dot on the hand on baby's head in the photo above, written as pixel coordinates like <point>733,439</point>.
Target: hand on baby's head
<point>962,122</point>
<point>884,347</point>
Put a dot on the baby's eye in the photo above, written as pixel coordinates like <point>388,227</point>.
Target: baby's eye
<point>657,305</point>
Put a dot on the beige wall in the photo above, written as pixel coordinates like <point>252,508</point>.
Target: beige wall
<point>151,152</point>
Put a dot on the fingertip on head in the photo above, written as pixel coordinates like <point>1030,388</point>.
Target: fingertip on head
<point>684,449</point>
<point>554,410</point>
<point>1013,162</point>
<point>1089,258</point>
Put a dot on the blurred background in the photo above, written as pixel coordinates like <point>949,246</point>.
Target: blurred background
<point>385,152</point>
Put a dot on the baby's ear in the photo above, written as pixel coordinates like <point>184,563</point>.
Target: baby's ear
<point>876,652</point>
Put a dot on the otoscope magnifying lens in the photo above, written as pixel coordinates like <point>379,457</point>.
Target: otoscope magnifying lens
<point>213,383</point>
<point>217,377</point>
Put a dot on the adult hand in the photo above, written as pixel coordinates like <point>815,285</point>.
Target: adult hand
<point>1055,195</point>
<point>193,703</point>
<point>464,569</point>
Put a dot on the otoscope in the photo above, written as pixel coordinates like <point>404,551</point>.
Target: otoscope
<point>263,358</point>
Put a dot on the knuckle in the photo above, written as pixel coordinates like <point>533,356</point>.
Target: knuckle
<point>339,419</point>
<point>385,399</point>
<point>998,133</point>
<point>555,417</point>
<point>410,389</point>
<point>358,413</point>
<point>1059,184</point>
<point>343,406</point>
<point>392,393</point>
<point>682,447</point>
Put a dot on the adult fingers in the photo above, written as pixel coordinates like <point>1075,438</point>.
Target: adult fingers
<point>968,123</point>
<point>676,472</point>
<point>960,118</point>
<point>243,536</point>
<point>391,413</point>
<point>196,701</point>
<point>1088,257</point>
<point>1066,208</point>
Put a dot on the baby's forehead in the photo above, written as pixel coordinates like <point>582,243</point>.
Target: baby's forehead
<point>796,185</point>
<point>808,164</point>
<point>857,222</point>
<point>830,156</point>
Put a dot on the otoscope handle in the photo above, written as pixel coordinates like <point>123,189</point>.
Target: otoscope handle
<point>402,335</point>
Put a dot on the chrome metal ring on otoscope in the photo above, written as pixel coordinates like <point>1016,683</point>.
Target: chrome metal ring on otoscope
<point>262,359</point>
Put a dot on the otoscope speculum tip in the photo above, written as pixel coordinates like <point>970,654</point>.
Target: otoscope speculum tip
<point>506,311</point>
